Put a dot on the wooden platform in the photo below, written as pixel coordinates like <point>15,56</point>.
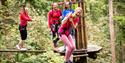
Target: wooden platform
<point>90,48</point>
<point>93,48</point>
<point>90,51</point>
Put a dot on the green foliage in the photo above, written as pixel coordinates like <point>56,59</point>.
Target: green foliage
<point>96,9</point>
<point>39,34</point>
<point>120,20</point>
<point>40,6</point>
<point>120,28</point>
<point>120,7</point>
<point>48,57</point>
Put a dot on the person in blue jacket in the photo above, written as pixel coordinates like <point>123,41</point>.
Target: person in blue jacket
<point>67,9</point>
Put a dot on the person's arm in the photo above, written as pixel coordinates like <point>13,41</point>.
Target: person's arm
<point>66,18</point>
<point>49,19</point>
<point>75,24</point>
<point>28,18</point>
<point>60,18</point>
<point>25,16</point>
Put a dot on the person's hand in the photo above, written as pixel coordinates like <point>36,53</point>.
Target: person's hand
<point>29,28</point>
<point>70,19</point>
<point>60,17</point>
<point>33,20</point>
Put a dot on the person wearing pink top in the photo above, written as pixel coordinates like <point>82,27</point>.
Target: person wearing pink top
<point>24,19</point>
<point>54,17</point>
<point>68,23</point>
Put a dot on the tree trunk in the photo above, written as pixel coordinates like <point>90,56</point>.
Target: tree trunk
<point>111,28</point>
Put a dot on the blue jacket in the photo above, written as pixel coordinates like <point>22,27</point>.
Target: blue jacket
<point>65,12</point>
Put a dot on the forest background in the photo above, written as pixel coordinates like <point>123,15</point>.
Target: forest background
<point>39,34</point>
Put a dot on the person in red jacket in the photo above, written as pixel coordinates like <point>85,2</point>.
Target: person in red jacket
<point>54,17</point>
<point>68,23</point>
<point>24,19</point>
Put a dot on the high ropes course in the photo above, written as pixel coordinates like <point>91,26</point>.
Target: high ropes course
<point>83,50</point>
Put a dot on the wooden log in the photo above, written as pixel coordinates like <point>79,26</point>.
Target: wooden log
<point>25,51</point>
<point>83,25</point>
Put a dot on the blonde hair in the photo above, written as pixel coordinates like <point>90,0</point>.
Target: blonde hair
<point>54,4</point>
<point>78,8</point>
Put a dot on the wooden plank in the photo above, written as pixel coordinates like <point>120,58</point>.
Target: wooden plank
<point>83,55</point>
<point>93,48</point>
<point>28,51</point>
<point>74,53</point>
<point>90,48</point>
<point>81,50</point>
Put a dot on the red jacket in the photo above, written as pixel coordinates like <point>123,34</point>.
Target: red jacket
<point>24,17</point>
<point>53,15</point>
<point>67,27</point>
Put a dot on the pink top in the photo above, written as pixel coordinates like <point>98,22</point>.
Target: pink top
<point>24,18</point>
<point>67,26</point>
<point>53,16</point>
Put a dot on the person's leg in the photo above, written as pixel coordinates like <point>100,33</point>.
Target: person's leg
<point>53,32</point>
<point>55,36</point>
<point>56,33</point>
<point>54,40</point>
<point>73,46</point>
<point>72,41</point>
<point>73,36</point>
<point>23,34</point>
<point>21,43</point>
<point>69,47</point>
<point>24,38</point>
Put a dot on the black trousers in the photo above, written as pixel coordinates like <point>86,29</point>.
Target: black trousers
<point>23,32</point>
<point>54,31</point>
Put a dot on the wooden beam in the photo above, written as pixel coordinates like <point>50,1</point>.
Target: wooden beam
<point>84,39</point>
<point>79,35</point>
<point>83,55</point>
<point>28,51</point>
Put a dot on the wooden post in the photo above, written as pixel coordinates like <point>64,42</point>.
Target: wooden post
<point>84,39</point>
<point>81,34</point>
<point>111,28</point>
<point>83,29</point>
